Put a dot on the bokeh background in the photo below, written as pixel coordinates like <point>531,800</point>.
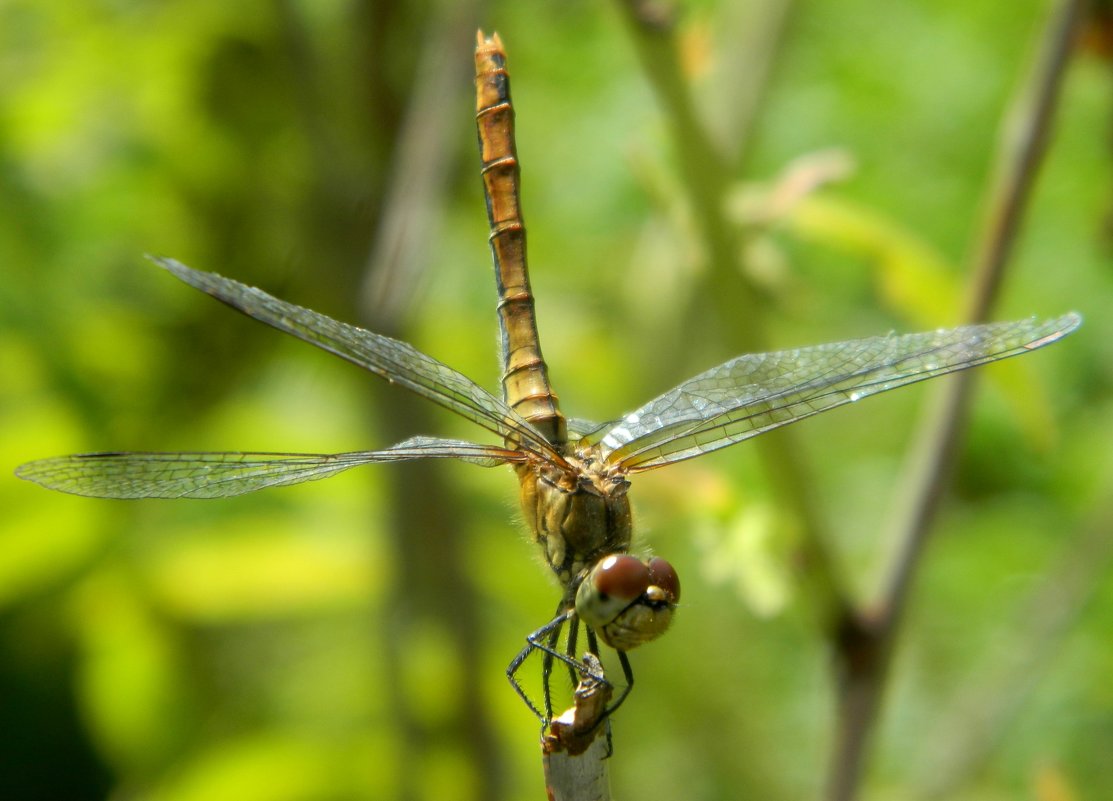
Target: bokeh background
<point>347,639</point>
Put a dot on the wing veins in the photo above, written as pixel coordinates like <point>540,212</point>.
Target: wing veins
<point>396,361</point>
<point>959,349</point>
<point>217,474</point>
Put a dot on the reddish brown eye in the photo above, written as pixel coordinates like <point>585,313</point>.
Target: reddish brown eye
<point>621,576</point>
<point>664,576</point>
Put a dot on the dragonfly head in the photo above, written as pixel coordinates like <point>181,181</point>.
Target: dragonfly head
<point>628,601</point>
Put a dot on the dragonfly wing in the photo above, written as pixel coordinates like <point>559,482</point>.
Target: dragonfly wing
<point>221,475</point>
<point>751,394</point>
<point>396,361</point>
<point>578,428</point>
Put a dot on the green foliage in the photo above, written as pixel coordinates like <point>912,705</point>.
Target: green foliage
<point>295,645</point>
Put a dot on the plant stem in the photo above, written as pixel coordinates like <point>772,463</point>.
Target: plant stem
<point>867,642</point>
<point>706,175</point>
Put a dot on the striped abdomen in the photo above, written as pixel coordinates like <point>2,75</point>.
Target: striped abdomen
<point>525,380</point>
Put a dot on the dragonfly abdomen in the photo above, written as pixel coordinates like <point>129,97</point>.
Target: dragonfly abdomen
<point>525,379</point>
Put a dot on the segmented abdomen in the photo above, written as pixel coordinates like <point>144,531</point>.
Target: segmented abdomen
<point>525,380</point>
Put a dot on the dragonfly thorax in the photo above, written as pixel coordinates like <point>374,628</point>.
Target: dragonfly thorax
<point>576,515</point>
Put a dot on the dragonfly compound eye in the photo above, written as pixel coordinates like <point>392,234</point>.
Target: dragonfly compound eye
<point>663,575</point>
<point>626,602</point>
<point>620,577</point>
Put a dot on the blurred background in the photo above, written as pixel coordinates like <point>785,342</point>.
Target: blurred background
<point>347,639</point>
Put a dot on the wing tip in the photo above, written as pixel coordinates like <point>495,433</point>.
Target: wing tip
<point>164,262</point>
<point>1070,322</point>
<point>1055,329</point>
<point>175,268</point>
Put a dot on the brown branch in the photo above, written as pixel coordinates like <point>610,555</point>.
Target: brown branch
<point>420,170</point>
<point>867,640</point>
<point>421,502</point>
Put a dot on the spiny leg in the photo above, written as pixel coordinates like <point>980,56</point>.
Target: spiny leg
<point>593,648</point>
<point>533,642</point>
<point>627,672</point>
<point>536,641</point>
<point>592,642</point>
<point>628,675</point>
<point>547,672</point>
<point>570,649</point>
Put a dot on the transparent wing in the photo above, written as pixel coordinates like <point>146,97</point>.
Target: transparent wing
<point>398,362</point>
<point>221,475</point>
<point>756,393</point>
<point>578,428</point>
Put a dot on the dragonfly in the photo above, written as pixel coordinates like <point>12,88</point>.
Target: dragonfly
<point>573,476</point>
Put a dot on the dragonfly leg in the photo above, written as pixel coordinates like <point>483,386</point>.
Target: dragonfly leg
<point>545,640</point>
<point>592,642</point>
<point>570,648</point>
<point>628,675</point>
<point>593,648</point>
<point>532,644</point>
<point>547,671</point>
<point>627,672</point>
<point>578,666</point>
